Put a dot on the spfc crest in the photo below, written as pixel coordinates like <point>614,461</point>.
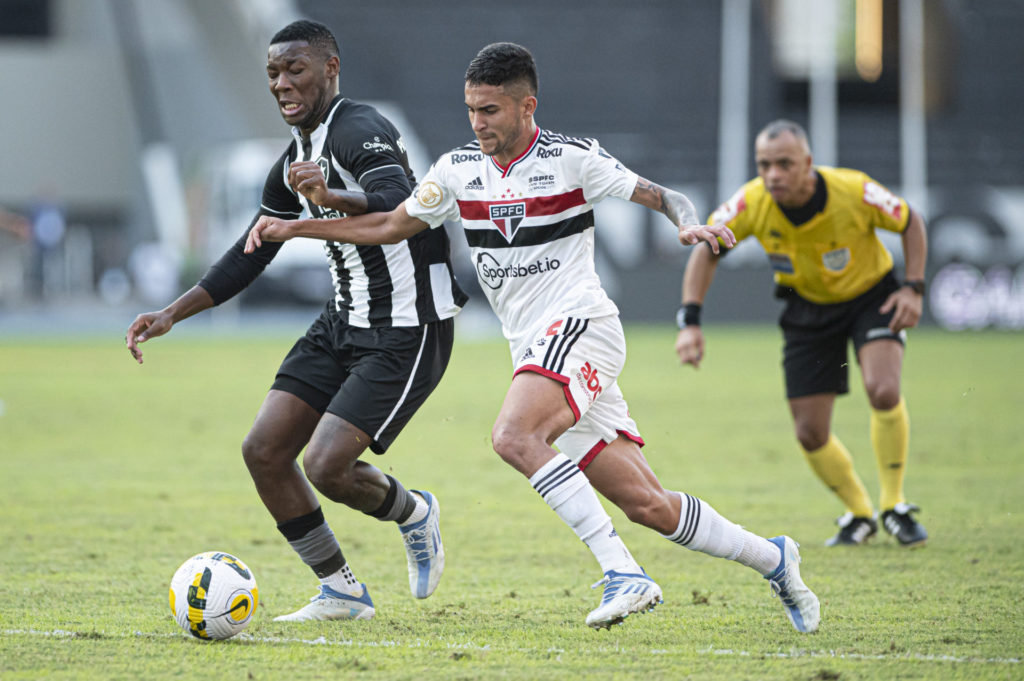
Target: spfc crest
<point>507,216</point>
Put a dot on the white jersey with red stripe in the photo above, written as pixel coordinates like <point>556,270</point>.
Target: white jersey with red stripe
<point>529,226</point>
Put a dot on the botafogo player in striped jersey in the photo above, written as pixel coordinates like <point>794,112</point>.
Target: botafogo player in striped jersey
<point>372,357</point>
<point>525,197</point>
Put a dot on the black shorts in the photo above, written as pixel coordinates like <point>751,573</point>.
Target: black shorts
<point>374,378</point>
<point>814,357</point>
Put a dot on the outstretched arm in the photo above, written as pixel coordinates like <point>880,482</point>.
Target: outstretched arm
<point>369,229</point>
<point>152,324</point>
<point>683,215</point>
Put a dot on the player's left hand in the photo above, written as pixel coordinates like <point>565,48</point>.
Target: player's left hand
<point>906,306</point>
<point>307,178</point>
<point>269,229</point>
<point>692,234</point>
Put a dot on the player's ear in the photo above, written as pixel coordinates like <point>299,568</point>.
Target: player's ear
<point>333,66</point>
<point>529,105</point>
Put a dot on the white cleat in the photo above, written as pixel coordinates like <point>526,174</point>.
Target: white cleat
<point>423,548</point>
<point>332,605</point>
<point>624,594</point>
<point>801,604</point>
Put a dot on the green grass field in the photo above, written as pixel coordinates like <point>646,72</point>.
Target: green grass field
<point>111,474</point>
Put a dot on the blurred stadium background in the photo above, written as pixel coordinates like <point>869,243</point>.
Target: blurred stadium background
<point>137,133</point>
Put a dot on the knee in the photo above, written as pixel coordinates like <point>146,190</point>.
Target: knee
<point>508,443</point>
<point>326,475</point>
<point>883,394</point>
<point>258,454</point>
<point>811,436</point>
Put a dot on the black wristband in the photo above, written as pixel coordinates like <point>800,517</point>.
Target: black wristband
<point>688,315</point>
<point>915,285</point>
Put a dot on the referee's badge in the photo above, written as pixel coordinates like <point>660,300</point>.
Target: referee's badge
<point>429,194</point>
<point>837,260</point>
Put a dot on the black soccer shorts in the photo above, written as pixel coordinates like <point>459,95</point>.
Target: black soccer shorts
<point>374,378</point>
<point>814,357</point>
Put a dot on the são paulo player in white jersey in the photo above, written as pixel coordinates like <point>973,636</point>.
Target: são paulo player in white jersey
<point>525,198</point>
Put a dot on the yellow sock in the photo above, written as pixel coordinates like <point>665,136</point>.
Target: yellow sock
<point>890,436</point>
<point>834,467</point>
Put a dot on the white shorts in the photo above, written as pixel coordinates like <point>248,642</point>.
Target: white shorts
<point>586,357</point>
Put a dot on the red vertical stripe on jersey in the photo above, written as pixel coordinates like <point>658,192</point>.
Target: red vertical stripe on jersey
<point>537,205</point>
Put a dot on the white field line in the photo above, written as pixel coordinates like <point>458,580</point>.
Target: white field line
<point>419,643</point>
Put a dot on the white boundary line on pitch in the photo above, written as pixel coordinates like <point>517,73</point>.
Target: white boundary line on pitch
<point>419,643</point>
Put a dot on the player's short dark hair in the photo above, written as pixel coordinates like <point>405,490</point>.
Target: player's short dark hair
<point>316,34</point>
<point>503,64</point>
<point>777,127</point>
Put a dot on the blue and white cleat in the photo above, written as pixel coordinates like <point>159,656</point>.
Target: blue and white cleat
<point>332,605</point>
<point>624,594</point>
<point>801,604</point>
<point>423,548</point>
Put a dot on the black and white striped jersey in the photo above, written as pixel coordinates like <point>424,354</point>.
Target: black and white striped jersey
<point>404,284</point>
<point>529,226</point>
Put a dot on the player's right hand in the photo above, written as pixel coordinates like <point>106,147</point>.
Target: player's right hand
<point>307,178</point>
<point>268,229</point>
<point>690,345</point>
<point>147,325</point>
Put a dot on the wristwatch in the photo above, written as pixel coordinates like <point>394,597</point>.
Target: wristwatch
<point>915,285</point>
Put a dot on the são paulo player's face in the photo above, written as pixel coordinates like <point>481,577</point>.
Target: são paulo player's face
<point>502,119</point>
<point>784,163</point>
<point>302,80</point>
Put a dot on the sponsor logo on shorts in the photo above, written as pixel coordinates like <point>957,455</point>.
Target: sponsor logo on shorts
<point>588,379</point>
<point>884,332</point>
<point>493,274</point>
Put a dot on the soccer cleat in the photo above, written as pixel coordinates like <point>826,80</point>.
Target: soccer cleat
<point>801,604</point>
<point>332,605</point>
<point>624,594</point>
<point>899,523</point>
<point>853,530</point>
<point>423,549</point>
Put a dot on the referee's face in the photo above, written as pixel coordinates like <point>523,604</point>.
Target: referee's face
<point>501,120</point>
<point>784,163</point>
<point>302,81</point>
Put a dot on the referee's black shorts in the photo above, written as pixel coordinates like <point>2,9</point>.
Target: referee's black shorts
<point>814,357</point>
<point>373,378</point>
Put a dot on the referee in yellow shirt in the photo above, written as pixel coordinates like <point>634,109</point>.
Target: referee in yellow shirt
<point>817,225</point>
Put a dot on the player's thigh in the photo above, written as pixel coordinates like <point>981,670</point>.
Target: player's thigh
<point>536,406</point>
<point>814,355</point>
<point>392,373</point>
<point>881,363</point>
<point>283,426</point>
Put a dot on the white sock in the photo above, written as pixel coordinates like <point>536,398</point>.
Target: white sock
<point>569,494</point>
<point>343,581</point>
<point>702,529</point>
<point>418,513</point>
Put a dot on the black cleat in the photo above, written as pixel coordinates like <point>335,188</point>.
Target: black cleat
<point>853,530</point>
<point>899,523</point>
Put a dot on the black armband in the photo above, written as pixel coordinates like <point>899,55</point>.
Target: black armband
<point>915,285</point>
<point>688,315</point>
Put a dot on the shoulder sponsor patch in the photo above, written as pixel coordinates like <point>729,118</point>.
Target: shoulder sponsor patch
<point>878,196</point>
<point>781,262</point>
<point>429,194</point>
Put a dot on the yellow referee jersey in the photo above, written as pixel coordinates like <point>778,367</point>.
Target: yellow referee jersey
<point>834,256</point>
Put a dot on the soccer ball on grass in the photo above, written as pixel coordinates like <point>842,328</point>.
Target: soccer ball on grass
<point>213,595</point>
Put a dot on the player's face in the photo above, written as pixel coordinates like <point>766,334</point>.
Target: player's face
<point>501,120</point>
<point>302,82</point>
<point>784,163</point>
